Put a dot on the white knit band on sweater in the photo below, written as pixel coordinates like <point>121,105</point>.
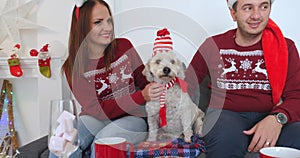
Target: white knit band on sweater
<point>230,3</point>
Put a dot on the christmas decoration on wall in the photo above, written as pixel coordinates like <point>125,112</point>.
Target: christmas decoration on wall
<point>14,66</point>
<point>9,143</point>
<point>14,62</point>
<point>33,52</point>
<point>14,17</point>
<point>16,49</point>
<point>44,61</point>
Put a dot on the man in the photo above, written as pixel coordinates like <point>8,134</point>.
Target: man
<point>255,90</point>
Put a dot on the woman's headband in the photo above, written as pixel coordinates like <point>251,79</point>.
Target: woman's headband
<point>78,4</point>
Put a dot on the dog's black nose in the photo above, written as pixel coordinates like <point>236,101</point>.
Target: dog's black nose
<point>166,70</point>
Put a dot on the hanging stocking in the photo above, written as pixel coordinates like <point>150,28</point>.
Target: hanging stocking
<point>14,66</point>
<point>44,61</point>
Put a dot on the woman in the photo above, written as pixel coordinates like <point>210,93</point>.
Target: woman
<point>104,74</point>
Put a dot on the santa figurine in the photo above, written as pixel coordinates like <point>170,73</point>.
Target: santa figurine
<point>17,49</point>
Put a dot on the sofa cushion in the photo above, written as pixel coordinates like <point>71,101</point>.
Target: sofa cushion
<point>34,149</point>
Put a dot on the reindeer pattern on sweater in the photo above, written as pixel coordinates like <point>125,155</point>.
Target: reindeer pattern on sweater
<point>242,70</point>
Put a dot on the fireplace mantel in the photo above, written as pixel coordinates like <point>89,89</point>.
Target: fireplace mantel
<point>33,93</point>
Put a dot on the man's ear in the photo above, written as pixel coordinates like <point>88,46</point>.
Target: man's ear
<point>146,72</point>
<point>233,14</point>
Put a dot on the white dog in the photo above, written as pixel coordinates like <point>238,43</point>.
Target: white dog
<point>183,117</point>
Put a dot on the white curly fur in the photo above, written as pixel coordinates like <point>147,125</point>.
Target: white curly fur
<point>184,118</point>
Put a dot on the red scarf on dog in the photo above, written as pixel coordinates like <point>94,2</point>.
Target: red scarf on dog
<point>162,111</point>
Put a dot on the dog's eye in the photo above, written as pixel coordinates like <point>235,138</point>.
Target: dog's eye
<point>172,61</point>
<point>157,61</point>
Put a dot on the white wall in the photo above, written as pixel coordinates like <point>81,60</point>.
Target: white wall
<point>190,21</point>
<point>55,15</point>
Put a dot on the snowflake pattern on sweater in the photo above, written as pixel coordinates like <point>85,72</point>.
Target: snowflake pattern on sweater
<point>114,84</point>
<point>242,70</point>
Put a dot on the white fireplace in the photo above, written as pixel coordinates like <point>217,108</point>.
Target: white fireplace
<point>32,95</point>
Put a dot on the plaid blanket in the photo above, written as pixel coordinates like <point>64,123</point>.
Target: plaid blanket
<point>176,147</point>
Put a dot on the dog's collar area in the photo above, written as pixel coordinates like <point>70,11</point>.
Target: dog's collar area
<point>171,83</point>
<point>162,111</point>
<point>180,82</point>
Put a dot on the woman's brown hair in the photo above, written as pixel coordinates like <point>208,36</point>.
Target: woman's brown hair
<point>75,64</point>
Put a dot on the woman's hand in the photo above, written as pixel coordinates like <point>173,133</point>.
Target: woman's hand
<point>266,133</point>
<point>152,91</point>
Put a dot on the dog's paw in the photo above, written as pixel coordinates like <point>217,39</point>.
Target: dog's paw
<point>188,140</point>
<point>151,139</point>
<point>188,136</point>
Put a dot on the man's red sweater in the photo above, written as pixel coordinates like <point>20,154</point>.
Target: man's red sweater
<point>239,78</point>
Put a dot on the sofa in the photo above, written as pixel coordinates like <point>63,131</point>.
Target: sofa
<point>35,149</point>
<point>39,147</point>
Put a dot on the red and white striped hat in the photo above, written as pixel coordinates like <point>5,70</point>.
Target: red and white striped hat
<point>230,3</point>
<point>163,42</point>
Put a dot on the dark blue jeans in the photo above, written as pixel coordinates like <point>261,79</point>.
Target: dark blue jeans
<point>224,137</point>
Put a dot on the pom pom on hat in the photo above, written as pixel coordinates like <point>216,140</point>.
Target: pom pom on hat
<point>79,3</point>
<point>163,42</point>
<point>17,46</point>
<point>230,3</point>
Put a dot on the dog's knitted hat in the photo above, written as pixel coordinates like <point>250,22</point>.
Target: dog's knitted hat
<point>163,42</point>
<point>230,3</point>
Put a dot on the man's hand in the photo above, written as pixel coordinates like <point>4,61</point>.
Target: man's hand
<point>266,133</point>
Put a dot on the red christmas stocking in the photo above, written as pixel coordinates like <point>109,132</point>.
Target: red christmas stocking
<point>44,62</point>
<point>14,66</point>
